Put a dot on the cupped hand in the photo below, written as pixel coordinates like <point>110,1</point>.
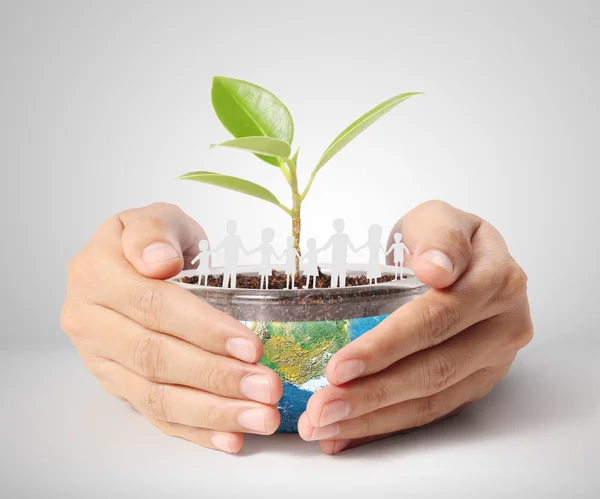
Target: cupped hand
<point>437,353</point>
<point>188,368</point>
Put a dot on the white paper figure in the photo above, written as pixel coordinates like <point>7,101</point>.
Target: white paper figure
<point>312,267</point>
<point>340,242</point>
<point>204,259</point>
<point>375,250</point>
<point>290,254</point>
<point>232,244</point>
<point>399,248</point>
<point>267,251</point>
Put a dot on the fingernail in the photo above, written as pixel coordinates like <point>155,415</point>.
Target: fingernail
<point>221,442</point>
<point>242,349</point>
<point>349,370</point>
<point>325,432</point>
<point>333,412</point>
<point>159,252</point>
<point>254,420</point>
<point>438,259</point>
<point>257,387</point>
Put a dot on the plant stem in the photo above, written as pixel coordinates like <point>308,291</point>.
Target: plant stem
<point>296,234</point>
<point>296,208</point>
<point>308,185</point>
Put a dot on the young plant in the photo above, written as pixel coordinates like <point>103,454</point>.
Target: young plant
<point>262,125</point>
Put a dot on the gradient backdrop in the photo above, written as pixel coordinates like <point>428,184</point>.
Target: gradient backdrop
<point>102,104</point>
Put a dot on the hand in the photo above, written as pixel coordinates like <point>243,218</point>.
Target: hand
<point>437,353</point>
<point>188,368</point>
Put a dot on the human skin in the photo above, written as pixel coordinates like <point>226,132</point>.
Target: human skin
<point>188,368</point>
<point>436,354</point>
<point>191,370</point>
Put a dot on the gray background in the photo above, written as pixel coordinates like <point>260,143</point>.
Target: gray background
<point>102,104</point>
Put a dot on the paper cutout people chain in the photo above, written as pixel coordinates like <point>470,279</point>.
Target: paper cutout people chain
<point>232,244</point>
<point>399,248</point>
<point>290,254</point>
<point>312,265</point>
<point>266,250</point>
<point>339,243</point>
<point>375,248</point>
<point>204,259</point>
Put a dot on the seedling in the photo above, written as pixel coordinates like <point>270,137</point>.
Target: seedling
<point>263,125</point>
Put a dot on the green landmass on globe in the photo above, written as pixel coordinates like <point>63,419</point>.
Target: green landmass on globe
<point>299,351</point>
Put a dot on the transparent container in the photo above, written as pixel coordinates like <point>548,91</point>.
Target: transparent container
<point>301,329</point>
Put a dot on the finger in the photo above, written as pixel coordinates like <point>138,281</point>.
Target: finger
<point>190,407</point>
<point>406,415</point>
<point>157,239</point>
<point>167,308</point>
<point>100,274</point>
<point>420,324</point>
<point>421,374</point>
<point>332,447</point>
<point>439,238</point>
<point>164,359</point>
<point>493,284</point>
<point>226,442</point>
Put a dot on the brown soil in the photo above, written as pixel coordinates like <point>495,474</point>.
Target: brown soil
<point>278,281</point>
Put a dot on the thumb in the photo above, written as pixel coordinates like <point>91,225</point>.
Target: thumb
<point>158,240</point>
<point>439,238</point>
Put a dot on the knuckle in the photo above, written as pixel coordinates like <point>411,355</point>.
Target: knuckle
<point>439,371</point>
<point>513,281</point>
<point>148,301</point>
<point>208,416</point>
<point>437,321</point>
<point>390,350</point>
<point>522,336</point>
<point>458,243</point>
<point>147,356</point>
<point>152,215</point>
<point>435,204</point>
<point>154,402</point>
<point>168,207</point>
<point>95,366</point>
<point>78,269</point>
<point>68,322</point>
<point>212,377</point>
<point>376,397</point>
<point>73,322</point>
<point>369,425</point>
<point>168,430</point>
<point>428,410</point>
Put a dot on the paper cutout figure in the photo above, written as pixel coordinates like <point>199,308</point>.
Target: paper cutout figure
<point>232,244</point>
<point>290,254</point>
<point>312,267</point>
<point>399,248</point>
<point>204,259</point>
<point>267,251</point>
<point>340,242</point>
<point>375,249</point>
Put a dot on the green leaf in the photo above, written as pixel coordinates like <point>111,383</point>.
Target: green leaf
<point>359,126</point>
<point>295,156</point>
<point>233,184</point>
<point>247,110</point>
<point>260,145</point>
